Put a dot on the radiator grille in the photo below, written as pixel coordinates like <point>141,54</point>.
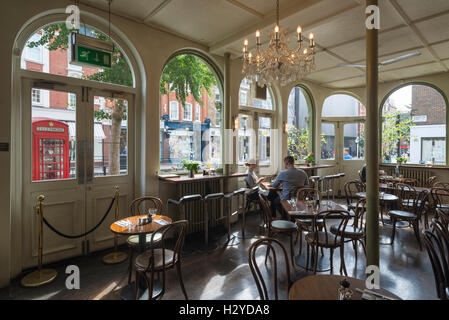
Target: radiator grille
<point>421,175</point>
<point>194,211</point>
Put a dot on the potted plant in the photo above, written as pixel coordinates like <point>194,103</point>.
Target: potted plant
<point>401,160</point>
<point>191,166</point>
<point>310,159</point>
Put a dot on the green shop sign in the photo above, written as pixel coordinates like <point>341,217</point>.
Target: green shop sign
<point>93,57</point>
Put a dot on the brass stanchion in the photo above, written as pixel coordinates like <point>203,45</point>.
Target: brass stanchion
<point>116,256</point>
<point>40,276</point>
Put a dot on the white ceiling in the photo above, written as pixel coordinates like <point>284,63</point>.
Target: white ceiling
<point>338,25</point>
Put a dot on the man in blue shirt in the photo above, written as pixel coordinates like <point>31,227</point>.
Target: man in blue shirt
<point>291,179</point>
<point>346,154</point>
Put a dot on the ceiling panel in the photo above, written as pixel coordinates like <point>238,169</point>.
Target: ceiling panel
<point>334,74</point>
<point>416,9</point>
<point>397,40</point>
<point>348,83</point>
<point>442,50</point>
<point>206,21</point>
<point>412,71</point>
<point>324,60</point>
<point>136,8</point>
<point>353,51</point>
<point>436,29</point>
<point>265,7</point>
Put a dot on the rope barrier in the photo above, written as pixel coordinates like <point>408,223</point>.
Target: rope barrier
<point>85,233</point>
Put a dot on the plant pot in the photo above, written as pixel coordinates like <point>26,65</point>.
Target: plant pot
<point>191,174</point>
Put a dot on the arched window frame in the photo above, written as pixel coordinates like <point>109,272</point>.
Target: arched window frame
<point>392,91</point>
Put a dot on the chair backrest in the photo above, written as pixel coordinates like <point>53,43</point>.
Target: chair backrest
<point>440,196</point>
<point>422,199</point>
<point>255,270</point>
<point>141,205</point>
<point>360,212</point>
<point>308,193</point>
<point>443,217</point>
<point>342,216</point>
<point>351,188</point>
<point>436,248</point>
<point>266,212</point>
<point>441,185</point>
<point>431,181</point>
<point>407,196</point>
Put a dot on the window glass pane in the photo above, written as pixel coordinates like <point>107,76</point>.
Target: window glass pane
<point>245,139</point>
<point>53,136</point>
<point>192,132</point>
<point>299,119</point>
<point>110,136</point>
<point>342,105</point>
<point>327,141</point>
<point>414,126</point>
<point>354,141</point>
<point>52,56</point>
<point>248,96</point>
<point>264,141</point>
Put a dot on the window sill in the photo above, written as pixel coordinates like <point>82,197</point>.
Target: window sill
<point>417,166</point>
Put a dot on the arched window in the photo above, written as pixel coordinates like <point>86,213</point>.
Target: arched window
<point>343,126</point>
<point>300,123</point>
<point>256,106</point>
<point>192,127</point>
<point>47,50</point>
<point>414,126</point>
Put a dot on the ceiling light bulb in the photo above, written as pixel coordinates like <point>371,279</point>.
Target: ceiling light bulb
<point>299,30</point>
<point>257,33</point>
<point>246,42</point>
<point>276,29</point>
<point>311,36</point>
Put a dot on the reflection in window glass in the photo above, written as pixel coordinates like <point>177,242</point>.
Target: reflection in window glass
<point>53,136</point>
<point>327,141</point>
<point>264,141</point>
<point>299,140</point>
<point>414,126</point>
<point>110,136</point>
<point>354,141</point>
<point>47,51</point>
<point>247,97</point>
<point>245,139</point>
<point>191,131</point>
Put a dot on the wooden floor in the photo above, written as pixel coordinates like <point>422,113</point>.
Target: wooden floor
<point>224,273</point>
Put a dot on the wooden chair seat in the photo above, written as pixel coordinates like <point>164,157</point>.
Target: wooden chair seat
<point>402,214</point>
<point>143,259</point>
<point>350,231</point>
<point>283,225</point>
<point>134,240</point>
<point>333,241</point>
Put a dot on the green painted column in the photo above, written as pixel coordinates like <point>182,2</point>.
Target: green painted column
<point>372,143</point>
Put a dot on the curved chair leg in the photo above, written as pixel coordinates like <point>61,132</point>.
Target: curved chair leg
<point>136,285</point>
<point>181,282</point>
<point>393,231</point>
<point>416,229</point>
<point>363,246</point>
<point>307,256</point>
<point>331,257</point>
<point>354,244</point>
<point>291,249</point>
<point>130,266</point>
<point>342,259</point>
<point>300,240</point>
<point>315,261</point>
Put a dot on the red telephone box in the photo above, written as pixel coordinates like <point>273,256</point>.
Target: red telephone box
<point>50,150</point>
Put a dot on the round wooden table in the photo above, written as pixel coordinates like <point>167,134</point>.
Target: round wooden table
<point>127,292</point>
<point>325,287</point>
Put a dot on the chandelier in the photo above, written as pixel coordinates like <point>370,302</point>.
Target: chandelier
<point>278,62</point>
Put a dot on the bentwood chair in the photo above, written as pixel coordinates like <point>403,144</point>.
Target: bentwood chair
<point>305,224</point>
<point>439,202</point>
<point>159,260</point>
<point>443,217</point>
<point>436,242</point>
<point>326,239</point>
<point>441,185</point>
<point>255,270</point>
<point>351,188</point>
<point>357,231</point>
<point>411,207</point>
<point>140,206</point>
<point>430,182</point>
<point>277,226</point>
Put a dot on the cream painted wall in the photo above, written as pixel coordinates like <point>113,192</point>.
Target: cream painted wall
<point>152,48</point>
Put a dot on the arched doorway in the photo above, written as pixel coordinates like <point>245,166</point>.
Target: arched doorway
<point>77,144</point>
